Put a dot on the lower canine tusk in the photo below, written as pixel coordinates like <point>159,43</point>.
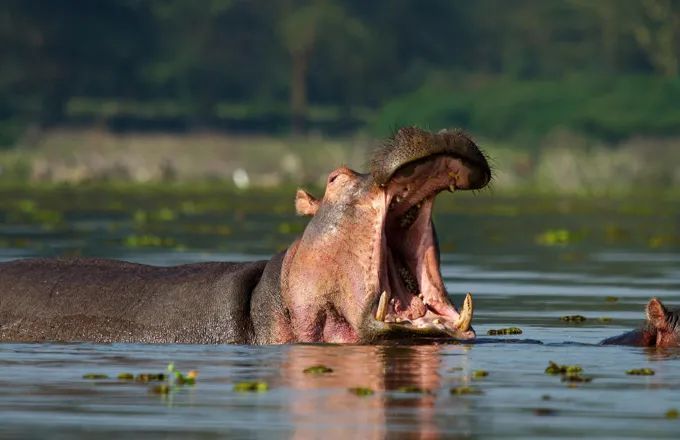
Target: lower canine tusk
<point>463,323</point>
<point>382,307</point>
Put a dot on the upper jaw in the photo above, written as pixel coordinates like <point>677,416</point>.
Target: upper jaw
<point>424,179</point>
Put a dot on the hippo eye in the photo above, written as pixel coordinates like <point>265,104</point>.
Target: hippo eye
<point>332,178</point>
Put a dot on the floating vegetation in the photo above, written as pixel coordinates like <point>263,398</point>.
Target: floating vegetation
<point>180,379</point>
<point>611,299</point>
<point>464,390</point>
<point>317,369</point>
<point>556,237</point>
<point>251,387</point>
<point>641,372</point>
<point>576,378</point>
<point>412,389</point>
<point>163,388</point>
<point>478,374</point>
<point>95,376</point>
<point>672,413</point>
<point>573,318</point>
<point>150,377</point>
<point>554,368</point>
<point>361,391</point>
<point>604,319</point>
<point>505,331</point>
<point>168,382</point>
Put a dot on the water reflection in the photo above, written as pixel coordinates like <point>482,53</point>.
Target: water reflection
<point>385,369</point>
<point>662,354</point>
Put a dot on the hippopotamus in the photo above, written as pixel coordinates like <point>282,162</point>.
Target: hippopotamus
<point>366,268</point>
<point>661,329</point>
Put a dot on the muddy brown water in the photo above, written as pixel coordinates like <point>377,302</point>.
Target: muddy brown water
<point>523,269</point>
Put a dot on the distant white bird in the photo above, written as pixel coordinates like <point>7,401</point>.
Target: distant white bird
<point>241,179</point>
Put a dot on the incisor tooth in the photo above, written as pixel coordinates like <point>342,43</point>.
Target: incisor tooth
<point>382,307</point>
<point>452,187</point>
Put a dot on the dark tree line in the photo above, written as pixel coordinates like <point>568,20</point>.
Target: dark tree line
<point>203,61</point>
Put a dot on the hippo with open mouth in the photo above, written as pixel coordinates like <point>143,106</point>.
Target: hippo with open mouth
<point>366,268</point>
<point>661,329</point>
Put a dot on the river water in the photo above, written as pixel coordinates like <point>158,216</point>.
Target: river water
<point>526,267</point>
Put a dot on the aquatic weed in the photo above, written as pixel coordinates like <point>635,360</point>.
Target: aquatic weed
<point>95,376</point>
<point>251,387</point>
<point>465,390</point>
<point>317,369</point>
<point>361,391</point>
<point>505,331</point>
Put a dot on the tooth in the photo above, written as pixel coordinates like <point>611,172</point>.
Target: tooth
<point>382,307</point>
<point>398,319</point>
<point>465,318</point>
<point>435,321</point>
<point>419,204</point>
<point>452,187</point>
<point>421,296</point>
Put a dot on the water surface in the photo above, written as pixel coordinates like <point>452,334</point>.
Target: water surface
<point>513,255</point>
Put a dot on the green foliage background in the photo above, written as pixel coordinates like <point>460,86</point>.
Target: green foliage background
<point>503,69</point>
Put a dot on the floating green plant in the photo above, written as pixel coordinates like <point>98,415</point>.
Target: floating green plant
<point>163,388</point>
<point>150,377</point>
<point>318,369</point>
<point>672,413</point>
<point>554,368</point>
<point>573,318</point>
<point>611,299</point>
<point>576,378</point>
<point>179,378</point>
<point>361,391</point>
<point>505,331</point>
<point>412,389</point>
<point>95,376</point>
<point>126,376</point>
<point>641,372</point>
<point>251,387</point>
<point>463,390</point>
<point>478,374</point>
<point>556,237</point>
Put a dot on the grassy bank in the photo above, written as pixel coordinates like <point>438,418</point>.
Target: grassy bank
<point>565,163</point>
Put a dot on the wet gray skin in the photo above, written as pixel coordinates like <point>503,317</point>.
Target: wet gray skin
<point>661,328</point>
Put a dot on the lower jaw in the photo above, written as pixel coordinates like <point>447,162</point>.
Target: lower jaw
<point>423,327</point>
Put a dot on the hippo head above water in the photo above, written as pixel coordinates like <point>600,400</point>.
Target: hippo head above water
<point>365,268</point>
<point>367,264</point>
<point>661,329</point>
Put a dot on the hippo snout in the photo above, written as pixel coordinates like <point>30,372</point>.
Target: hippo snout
<point>411,144</point>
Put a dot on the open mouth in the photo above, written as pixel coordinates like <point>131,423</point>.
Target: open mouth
<point>413,297</point>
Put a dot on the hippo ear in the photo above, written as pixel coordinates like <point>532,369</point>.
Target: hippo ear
<point>656,313</point>
<point>305,203</point>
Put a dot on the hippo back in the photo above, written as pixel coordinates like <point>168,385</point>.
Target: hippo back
<point>99,300</point>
